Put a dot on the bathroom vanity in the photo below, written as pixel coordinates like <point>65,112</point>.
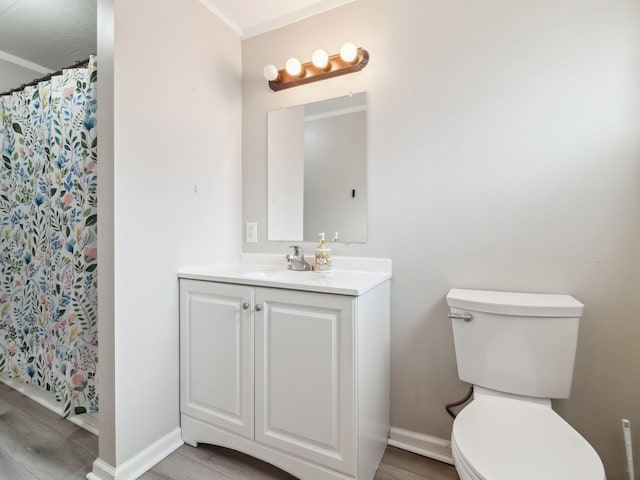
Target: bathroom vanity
<point>289,367</point>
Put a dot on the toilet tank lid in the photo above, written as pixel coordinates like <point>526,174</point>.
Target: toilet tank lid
<point>515,303</point>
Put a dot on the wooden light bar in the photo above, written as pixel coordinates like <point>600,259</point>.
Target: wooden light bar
<point>310,73</point>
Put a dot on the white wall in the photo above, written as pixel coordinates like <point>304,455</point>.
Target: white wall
<point>504,153</point>
<point>106,275</point>
<point>170,177</point>
<point>12,75</point>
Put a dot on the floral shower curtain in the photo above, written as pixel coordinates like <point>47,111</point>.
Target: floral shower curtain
<point>48,237</point>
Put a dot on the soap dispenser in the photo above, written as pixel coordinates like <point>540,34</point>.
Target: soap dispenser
<point>323,256</point>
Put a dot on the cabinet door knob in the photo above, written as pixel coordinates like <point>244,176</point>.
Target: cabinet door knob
<point>245,305</point>
<point>258,308</point>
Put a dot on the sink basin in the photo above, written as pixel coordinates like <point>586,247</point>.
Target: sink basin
<point>286,275</point>
<point>354,280</point>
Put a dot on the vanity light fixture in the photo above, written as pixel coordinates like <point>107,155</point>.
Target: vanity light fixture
<point>322,66</point>
<point>320,59</point>
<point>294,68</point>
<point>348,52</point>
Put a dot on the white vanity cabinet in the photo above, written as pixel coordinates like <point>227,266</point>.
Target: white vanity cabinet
<point>216,355</point>
<point>304,371</point>
<point>299,379</point>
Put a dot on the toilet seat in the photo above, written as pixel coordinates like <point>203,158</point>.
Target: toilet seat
<point>498,438</point>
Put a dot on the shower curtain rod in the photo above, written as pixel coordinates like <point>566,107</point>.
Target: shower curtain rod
<point>45,78</point>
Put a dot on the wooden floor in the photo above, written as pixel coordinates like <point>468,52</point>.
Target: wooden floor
<point>216,463</point>
<point>36,444</point>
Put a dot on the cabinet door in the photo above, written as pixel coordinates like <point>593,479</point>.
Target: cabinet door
<point>305,376</point>
<point>216,354</point>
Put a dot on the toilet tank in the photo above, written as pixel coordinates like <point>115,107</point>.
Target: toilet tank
<point>519,343</point>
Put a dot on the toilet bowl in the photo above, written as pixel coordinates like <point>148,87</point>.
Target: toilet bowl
<point>497,438</point>
<point>518,351</point>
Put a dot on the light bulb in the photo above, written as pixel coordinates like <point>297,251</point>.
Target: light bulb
<point>320,59</point>
<point>293,67</point>
<point>349,52</point>
<point>270,72</point>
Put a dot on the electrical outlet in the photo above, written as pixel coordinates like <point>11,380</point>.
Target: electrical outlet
<point>251,232</point>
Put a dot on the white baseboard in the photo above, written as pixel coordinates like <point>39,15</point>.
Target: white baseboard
<point>101,471</point>
<point>425,445</point>
<point>140,463</point>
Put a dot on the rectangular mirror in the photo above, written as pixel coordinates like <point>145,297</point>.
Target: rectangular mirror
<point>317,171</point>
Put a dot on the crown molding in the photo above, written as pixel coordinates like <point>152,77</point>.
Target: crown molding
<point>7,57</point>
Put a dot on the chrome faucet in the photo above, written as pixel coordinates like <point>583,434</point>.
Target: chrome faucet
<point>296,261</point>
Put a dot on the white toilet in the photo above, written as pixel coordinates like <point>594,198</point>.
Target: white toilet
<point>518,350</point>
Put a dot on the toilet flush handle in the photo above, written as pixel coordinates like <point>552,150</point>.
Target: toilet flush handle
<point>467,317</point>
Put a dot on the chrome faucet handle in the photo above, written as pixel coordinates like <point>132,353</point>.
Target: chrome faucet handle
<point>297,250</point>
<point>296,261</point>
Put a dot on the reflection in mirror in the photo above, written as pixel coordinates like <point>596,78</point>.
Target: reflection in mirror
<point>317,171</point>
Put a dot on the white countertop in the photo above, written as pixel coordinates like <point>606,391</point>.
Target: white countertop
<point>350,275</point>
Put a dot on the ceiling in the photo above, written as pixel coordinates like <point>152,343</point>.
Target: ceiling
<point>47,35</point>
<point>253,17</point>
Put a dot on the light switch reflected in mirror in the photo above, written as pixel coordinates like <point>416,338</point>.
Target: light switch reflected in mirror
<point>317,170</point>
